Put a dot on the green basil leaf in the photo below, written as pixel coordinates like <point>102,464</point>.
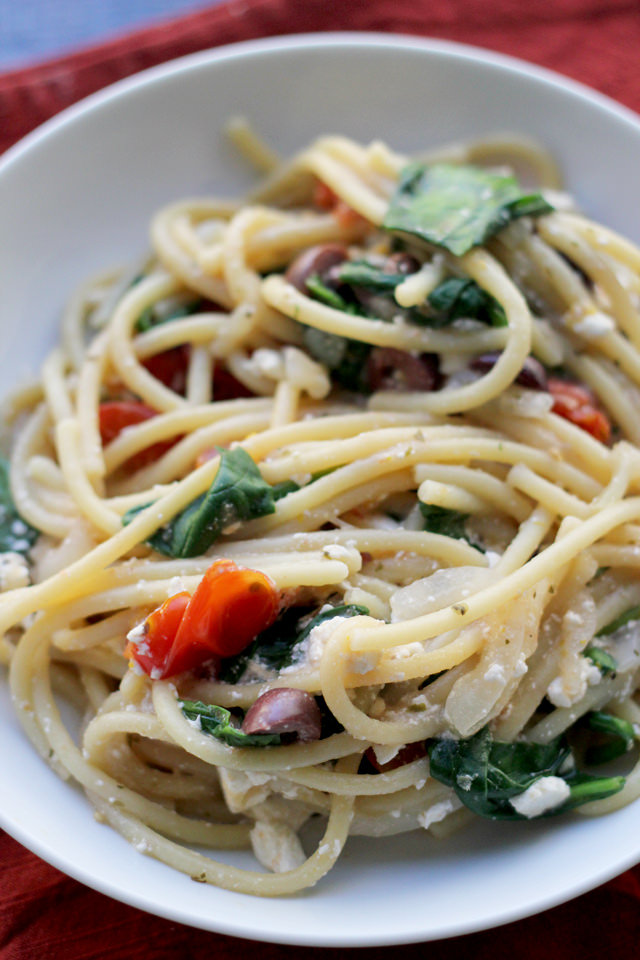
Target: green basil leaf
<point>360,273</point>
<point>457,207</point>
<point>218,723</point>
<point>448,523</point>
<point>319,289</point>
<point>459,297</point>
<point>486,774</point>
<point>16,535</point>
<point>345,359</point>
<point>149,318</point>
<point>618,735</point>
<point>603,660</point>
<point>237,493</point>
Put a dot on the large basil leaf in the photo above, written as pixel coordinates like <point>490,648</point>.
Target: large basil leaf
<point>486,773</point>
<point>237,493</point>
<point>457,207</point>
<point>218,723</point>
<point>16,535</point>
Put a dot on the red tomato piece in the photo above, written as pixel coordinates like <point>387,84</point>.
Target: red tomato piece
<point>324,198</point>
<point>114,416</point>
<point>229,608</point>
<point>576,403</point>
<point>151,648</point>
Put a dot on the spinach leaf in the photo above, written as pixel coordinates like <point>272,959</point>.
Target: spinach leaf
<point>618,735</point>
<point>237,493</point>
<point>448,523</point>
<point>459,297</point>
<point>457,207</point>
<point>633,613</point>
<point>345,359</point>
<point>486,773</point>
<point>150,318</point>
<point>218,722</point>
<point>321,291</point>
<point>605,663</point>
<point>360,273</point>
<point>275,646</point>
<point>283,488</point>
<point>16,535</point>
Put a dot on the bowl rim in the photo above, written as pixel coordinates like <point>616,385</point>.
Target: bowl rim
<point>330,39</point>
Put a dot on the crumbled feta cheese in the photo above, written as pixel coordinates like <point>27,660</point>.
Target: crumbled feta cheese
<point>543,795</point>
<point>495,673</point>
<point>594,325</point>
<point>438,811</point>
<point>14,571</point>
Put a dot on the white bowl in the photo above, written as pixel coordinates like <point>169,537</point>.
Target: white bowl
<point>76,196</point>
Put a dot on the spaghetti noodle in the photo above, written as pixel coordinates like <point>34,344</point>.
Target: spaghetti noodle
<point>330,508</point>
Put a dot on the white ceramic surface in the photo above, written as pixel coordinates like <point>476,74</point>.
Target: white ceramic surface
<point>76,196</point>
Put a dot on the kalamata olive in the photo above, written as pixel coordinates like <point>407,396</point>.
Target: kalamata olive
<point>316,260</point>
<point>285,710</point>
<point>391,369</point>
<point>533,375</point>
<point>401,263</point>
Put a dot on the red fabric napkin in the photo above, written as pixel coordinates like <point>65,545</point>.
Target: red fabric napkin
<point>46,915</point>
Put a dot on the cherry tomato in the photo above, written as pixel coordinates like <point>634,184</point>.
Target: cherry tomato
<point>229,608</point>
<point>151,648</point>
<point>114,416</point>
<point>325,199</point>
<point>576,403</point>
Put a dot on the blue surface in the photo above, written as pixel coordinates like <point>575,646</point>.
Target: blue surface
<point>32,30</point>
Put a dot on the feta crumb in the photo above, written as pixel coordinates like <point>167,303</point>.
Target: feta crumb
<point>545,794</point>
<point>594,325</point>
<point>438,811</point>
<point>14,571</point>
<point>495,672</point>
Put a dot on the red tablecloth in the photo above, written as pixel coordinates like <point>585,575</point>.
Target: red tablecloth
<point>45,915</point>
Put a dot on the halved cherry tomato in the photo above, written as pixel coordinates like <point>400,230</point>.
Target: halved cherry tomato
<point>576,403</point>
<point>325,199</point>
<point>229,608</point>
<point>115,415</point>
<point>151,648</point>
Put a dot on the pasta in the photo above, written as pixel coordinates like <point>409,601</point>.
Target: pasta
<point>328,508</point>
